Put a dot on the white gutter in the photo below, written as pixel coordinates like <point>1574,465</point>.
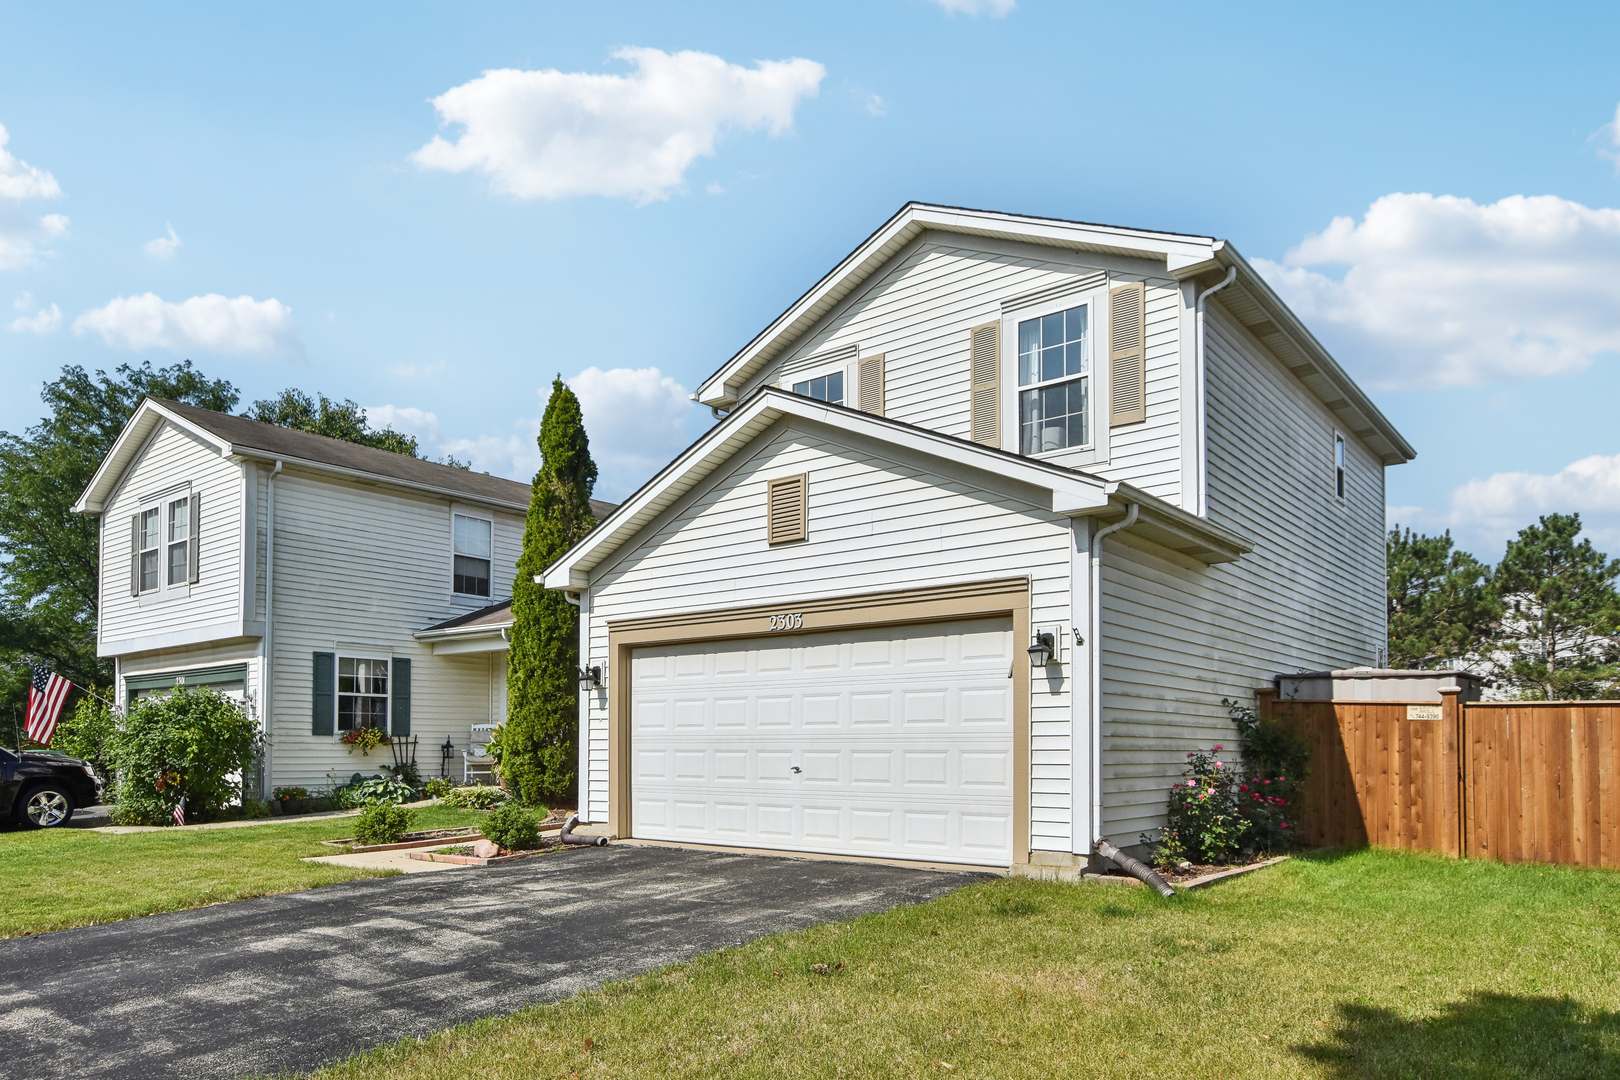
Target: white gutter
<point>266,643</point>
<point>1200,392</point>
<point>1096,662</point>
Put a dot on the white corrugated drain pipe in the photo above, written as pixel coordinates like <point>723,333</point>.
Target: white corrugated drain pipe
<point>1131,514</point>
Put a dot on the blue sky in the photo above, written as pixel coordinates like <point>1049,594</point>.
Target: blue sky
<point>263,192</point>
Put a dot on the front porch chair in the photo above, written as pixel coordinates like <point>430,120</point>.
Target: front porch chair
<point>476,759</point>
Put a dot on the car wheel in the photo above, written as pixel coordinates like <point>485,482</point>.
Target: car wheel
<point>45,807</point>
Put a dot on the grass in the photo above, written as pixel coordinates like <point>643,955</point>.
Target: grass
<point>59,878</point>
<point>1367,965</point>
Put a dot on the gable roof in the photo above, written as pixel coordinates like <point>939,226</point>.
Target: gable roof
<point>1201,259</point>
<point>241,437</point>
<point>1073,492</point>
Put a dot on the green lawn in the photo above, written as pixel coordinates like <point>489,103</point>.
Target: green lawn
<point>1374,964</point>
<point>54,879</point>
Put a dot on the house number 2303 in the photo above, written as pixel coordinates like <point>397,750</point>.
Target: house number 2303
<point>787,622</point>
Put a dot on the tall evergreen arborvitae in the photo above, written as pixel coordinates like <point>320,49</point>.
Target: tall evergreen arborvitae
<point>538,748</point>
<point>1560,635</point>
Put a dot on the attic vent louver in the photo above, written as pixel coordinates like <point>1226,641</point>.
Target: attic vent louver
<point>785,501</point>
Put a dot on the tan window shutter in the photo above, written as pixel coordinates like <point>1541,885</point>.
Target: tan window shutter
<point>785,501</point>
<point>194,533</point>
<point>871,388</point>
<point>1127,354</point>
<point>986,365</point>
<point>135,555</point>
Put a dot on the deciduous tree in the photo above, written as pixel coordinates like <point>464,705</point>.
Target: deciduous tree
<point>542,684</point>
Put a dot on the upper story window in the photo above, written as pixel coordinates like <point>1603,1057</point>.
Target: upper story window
<point>1054,369</point>
<point>1338,465</point>
<point>828,387</point>
<point>362,693</point>
<point>148,544</point>
<point>179,541</point>
<point>472,555</point>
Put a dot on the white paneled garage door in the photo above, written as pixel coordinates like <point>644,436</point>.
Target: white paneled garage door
<point>891,741</point>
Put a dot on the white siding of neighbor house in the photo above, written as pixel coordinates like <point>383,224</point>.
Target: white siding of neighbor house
<point>880,518</point>
<point>1178,637</point>
<point>358,568</point>
<point>171,457</point>
<point>918,311</point>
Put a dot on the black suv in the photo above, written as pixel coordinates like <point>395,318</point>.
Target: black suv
<point>41,790</point>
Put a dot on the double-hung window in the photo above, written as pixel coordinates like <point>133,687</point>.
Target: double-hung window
<point>1338,465</point>
<point>151,542</point>
<point>179,541</point>
<point>362,693</point>
<point>472,556</point>
<point>828,387</point>
<point>1054,381</point>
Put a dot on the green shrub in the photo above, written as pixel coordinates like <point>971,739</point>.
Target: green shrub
<point>183,746</point>
<point>87,733</point>
<point>1276,761</point>
<point>476,798</point>
<point>512,827</point>
<point>388,789</point>
<point>382,823</point>
<point>439,787</point>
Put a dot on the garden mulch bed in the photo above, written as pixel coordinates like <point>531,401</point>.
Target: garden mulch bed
<point>421,838</point>
<point>1193,876</point>
<point>462,855</point>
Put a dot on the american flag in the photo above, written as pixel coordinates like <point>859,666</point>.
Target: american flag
<point>46,695</point>
<point>180,811</point>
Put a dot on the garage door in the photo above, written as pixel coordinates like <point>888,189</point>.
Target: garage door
<point>891,741</point>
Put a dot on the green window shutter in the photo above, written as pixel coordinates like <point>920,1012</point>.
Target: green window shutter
<point>135,555</point>
<point>193,556</point>
<point>324,698</point>
<point>399,720</point>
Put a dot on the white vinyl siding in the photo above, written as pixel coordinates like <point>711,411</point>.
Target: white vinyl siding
<point>1177,638</point>
<point>880,519</point>
<point>168,462</point>
<point>403,540</point>
<point>918,313</point>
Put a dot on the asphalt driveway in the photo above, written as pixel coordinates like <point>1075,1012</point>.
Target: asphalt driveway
<point>291,982</point>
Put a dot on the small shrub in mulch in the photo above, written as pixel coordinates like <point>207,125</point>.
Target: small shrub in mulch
<point>382,823</point>
<point>512,828</point>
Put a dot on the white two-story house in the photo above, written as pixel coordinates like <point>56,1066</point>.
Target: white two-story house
<point>328,586</point>
<point>993,518</point>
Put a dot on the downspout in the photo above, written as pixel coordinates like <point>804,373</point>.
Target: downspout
<point>266,640</point>
<point>1203,450</point>
<point>714,411</point>
<point>1126,522</point>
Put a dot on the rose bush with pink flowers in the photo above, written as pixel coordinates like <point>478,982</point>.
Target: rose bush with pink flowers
<point>1205,822</point>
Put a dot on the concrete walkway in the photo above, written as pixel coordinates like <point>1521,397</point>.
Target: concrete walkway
<point>290,982</point>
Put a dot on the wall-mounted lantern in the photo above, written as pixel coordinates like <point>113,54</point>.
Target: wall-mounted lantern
<point>1040,653</point>
<point>590,678</point>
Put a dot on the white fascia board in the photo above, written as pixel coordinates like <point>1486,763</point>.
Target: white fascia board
<point>486,643</point>
<point>913,219</point>
<point>1072,492</point>
<point>147,416</point>
<point>479,630</point>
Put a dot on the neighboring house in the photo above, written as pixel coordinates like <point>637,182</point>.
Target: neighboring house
<point>331,586</point>
<point>979,435</point>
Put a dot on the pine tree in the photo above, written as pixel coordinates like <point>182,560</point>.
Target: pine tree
<point>538,756</point>
<point>1562,619</point>
<point>1441,606</point>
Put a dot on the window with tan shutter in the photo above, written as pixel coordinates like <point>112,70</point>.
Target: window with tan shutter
<point>871,388</point>
<point>984,342</point>
<point>1054,381</point>
<point>785,500</point>
<point>1127,354</point>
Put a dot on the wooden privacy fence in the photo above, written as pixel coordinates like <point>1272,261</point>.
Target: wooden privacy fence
<point>1518,782</point>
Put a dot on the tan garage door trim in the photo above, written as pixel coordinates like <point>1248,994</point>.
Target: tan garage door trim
<point>974,600</point>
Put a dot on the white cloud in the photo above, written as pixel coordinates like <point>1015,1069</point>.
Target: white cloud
<point>637,420</point>
<point>20,180</point>
<point>1610,132</point>
<point>216,324</point>
<point>41,322</point>
<point>163,247</point>
<point>876,106</point>
<point>994,8</point>
<point>715,189</point>
<point>1442,291</point>
<point>1483,514</point>
<point>20,230</point>
<point>551,134</point>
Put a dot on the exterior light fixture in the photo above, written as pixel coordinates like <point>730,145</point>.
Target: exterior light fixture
<point>1040,653</point>
<point>590,678</point>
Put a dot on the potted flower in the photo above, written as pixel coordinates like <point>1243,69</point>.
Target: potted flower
<point>366,739</point>
<point>293,800</point>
